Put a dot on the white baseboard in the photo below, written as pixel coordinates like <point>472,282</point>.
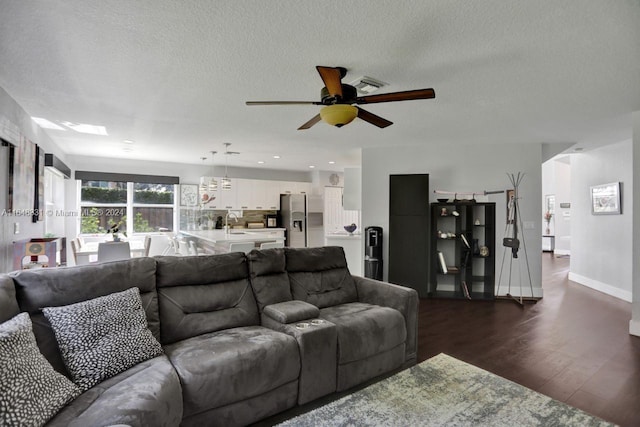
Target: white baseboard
<point>562,252</point>
<point>601,287</point>
<point>634,327</point>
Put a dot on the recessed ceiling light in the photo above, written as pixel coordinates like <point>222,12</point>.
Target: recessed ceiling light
<point>311,166</point>
<point>127,149</point>
<point>276,157</point>
<point>332,162</point>
<point>128,141</point>
<point>261,162</point>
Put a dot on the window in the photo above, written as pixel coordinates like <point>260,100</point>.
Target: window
<point>152,207</point>
<point>102,205</point>
<point>132,206</point>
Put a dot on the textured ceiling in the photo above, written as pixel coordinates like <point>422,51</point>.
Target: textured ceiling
<point>174,75</point>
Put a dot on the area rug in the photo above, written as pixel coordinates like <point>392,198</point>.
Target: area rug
<point>443,391</point>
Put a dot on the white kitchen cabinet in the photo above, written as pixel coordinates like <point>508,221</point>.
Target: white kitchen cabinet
<point>272,196</point>
<point>265,195</point>
<point>244,193</point>
<point>227,199</point>
<point>294,187</point>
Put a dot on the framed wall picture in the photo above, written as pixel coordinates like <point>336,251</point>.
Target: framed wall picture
<point>38,205</point>
<point>189,195</point>
<point>606,199</point>
<point>22,181</point>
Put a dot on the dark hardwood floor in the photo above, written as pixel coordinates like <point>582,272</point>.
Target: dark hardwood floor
<point>573,345</point>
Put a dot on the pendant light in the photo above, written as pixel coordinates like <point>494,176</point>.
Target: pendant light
<point>208,185</point>
<point>225,182</point>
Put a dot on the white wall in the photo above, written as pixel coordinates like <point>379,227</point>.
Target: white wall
<point>601,247</point>
<point>634,324</point>
<point>559,171</point>
<point>462,168</point>
<point>14,124</point>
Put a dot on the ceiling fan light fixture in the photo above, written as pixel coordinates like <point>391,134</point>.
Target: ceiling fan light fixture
<point>338,115</point>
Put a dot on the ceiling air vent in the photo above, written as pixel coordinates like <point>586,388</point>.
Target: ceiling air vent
<point>367,85</point>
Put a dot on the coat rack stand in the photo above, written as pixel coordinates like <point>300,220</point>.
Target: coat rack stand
<point>511,244</point>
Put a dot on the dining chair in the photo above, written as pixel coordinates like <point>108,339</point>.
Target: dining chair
<point>74,250</point>
<point>113,251</point>
<point>270,245</point>
<point>183,246</point>
<point>156,244</point>
<point>245,247</point>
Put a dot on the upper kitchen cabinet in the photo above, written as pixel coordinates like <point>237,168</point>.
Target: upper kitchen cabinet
<point>292,187</point>
<point>352,195</point>
<point>264,195</point>
<point>244,193</point>
<point>227,199</point>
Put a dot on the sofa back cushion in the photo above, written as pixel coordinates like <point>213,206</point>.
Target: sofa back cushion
<point>269,278</point>
<point>55,287</point>
<point>200,294</point>
<point>320,276</point>
<point>8,302</point>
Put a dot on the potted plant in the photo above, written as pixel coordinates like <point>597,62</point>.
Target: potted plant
<point>115,231</point>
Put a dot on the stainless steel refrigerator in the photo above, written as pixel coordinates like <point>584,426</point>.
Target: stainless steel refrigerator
<point>294,219</point>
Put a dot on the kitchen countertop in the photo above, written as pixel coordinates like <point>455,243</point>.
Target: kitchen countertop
<point>343,236</point>
<point>236,235</point>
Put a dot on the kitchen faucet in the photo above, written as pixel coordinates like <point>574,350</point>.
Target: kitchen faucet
<point>226,220</point>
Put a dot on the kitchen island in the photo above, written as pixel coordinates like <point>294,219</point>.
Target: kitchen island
<point>352,245</point>
<point>218,241</point>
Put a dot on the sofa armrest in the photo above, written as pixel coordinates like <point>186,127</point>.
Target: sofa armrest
<point>401,298</point>
<point>291,311</point>
<point>318,345</point>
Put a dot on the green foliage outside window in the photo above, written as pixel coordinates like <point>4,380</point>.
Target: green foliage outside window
<point>90,224</point>
<point>118,195</point>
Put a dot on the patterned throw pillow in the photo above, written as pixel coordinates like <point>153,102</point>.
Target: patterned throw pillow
<point>102,337</point>
<point>31,391</point>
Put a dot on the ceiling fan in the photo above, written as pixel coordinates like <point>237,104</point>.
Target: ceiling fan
<point>338,99</point>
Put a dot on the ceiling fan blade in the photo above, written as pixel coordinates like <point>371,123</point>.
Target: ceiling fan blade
<point>397,96</point>
<point>331,77</point>
<point>311,122</point>
<point>373,119</point>
<point>283,103</point>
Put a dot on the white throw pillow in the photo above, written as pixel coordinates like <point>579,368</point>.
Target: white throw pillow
<point>31,391</point>
<point>102,337</point>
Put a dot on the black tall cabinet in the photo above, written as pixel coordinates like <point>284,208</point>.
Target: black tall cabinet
<point>409,231</point>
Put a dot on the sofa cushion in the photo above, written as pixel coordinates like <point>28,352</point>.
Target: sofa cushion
<point>102,337</point>
<point>269,278</point>
<point>53,287</point>
<point>365,330</point>
<point>8,302</point>
<point>147,394</point>
<point>320,276</point>
<point>31,391</point>
<point>202,294</point>
<point>232,365</point>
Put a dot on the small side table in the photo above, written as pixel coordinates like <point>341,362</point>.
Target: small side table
<point>34,248</point>
<point>548,243</point>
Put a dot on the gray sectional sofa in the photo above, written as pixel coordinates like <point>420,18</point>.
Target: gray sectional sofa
<point>244,336</point>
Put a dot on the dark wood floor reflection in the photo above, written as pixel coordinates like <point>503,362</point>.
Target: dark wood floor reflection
<point>573,345</point>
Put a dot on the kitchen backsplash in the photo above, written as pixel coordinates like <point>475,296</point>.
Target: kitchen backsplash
<point>196,219</point>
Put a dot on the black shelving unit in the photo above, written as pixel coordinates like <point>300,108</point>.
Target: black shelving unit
<point>463,239</point>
